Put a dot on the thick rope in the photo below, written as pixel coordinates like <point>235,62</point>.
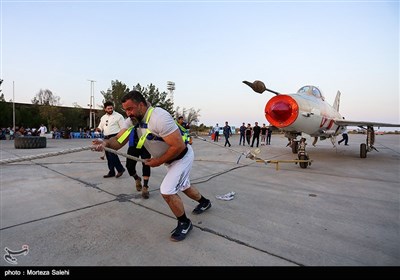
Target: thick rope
<point>63,152</point>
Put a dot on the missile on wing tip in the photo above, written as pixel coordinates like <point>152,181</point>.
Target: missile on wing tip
<point>257,86</point>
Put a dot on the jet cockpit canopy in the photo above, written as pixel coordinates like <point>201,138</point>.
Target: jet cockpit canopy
<point>311,90</point>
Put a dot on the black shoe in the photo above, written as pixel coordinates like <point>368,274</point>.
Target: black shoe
<point>180,232</point>
<point>202,207</point>
<point>108,175</point>
<point>119,174</point>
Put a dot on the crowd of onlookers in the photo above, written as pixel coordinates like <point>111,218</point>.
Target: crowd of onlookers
<point>67,133</point>
<point>10,133</point>
<point>249,134</point>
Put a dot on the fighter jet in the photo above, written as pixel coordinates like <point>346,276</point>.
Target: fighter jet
<point>307,112</point>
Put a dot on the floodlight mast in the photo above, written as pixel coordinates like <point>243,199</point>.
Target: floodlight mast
<point>171,88</point>
<point>91,105</point>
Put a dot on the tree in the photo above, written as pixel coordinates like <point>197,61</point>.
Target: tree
<point>49,110</point>
<point>4,109</point>
<point>156,98</point>
<point>118,89</point>
<point>151,94</point>
<point>46,97</point>
<point>191,116</point>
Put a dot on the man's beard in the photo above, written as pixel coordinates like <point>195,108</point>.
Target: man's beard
<point>136,119</point>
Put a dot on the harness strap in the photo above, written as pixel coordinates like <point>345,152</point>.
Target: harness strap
<point>184,133</point>
<point>144,136</point>
<point>125,135</point>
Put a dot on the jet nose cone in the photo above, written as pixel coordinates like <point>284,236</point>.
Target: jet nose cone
<point>281,110</point>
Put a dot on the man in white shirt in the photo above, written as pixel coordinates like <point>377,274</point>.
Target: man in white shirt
<point>345,137</point>
<point>216,133</point>
<point>42,130</point>
<point>110,124</point>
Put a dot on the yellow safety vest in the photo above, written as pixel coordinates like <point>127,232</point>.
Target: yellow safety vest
<point>184,133</point>
<point>144,136</point>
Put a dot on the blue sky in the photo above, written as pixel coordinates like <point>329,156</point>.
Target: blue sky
<point>207,48</point>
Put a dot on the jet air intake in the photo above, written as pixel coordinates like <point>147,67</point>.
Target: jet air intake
<point>281,111</point>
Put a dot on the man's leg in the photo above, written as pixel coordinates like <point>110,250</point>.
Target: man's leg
<point>115,162</point>
<point>184,224</point>
<point>131,166</point>
<point>111,171</point>
<point>146,174</point>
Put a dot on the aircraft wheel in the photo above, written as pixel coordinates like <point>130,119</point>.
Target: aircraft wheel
<point>363,150</point>
<point>303,164</point>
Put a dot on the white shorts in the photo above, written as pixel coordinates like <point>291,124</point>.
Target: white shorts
<point>178,173</point>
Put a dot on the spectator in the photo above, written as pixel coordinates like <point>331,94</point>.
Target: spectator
<point>110,124</point>
<point>42,130</point>
<point>249,132</point>
<point>216,133</point>
<point>227,132</point>
<point>264,130</point>
<point>242,131</point>
<point>256,134</point>
<point>269,135</point>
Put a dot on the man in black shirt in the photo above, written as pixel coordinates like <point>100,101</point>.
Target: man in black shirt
<point>227,133</point>
<point>256,134</point>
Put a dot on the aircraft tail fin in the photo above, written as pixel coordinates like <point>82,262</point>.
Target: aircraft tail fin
<point>337,101</point>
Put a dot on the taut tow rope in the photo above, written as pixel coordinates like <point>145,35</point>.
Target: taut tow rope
<point>63,152</point>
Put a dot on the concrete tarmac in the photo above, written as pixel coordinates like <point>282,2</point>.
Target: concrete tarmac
<point>340,211</point>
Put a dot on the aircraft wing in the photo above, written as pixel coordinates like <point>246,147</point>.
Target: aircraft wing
<point>345,122</point>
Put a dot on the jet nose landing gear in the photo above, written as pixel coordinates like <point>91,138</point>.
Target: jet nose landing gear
<point>302,156</point>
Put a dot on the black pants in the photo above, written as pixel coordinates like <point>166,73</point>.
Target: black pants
<point>131,164</point>
<point>269,139</point>
<point>254,138</point>
<point>345,139</point>
<point>248,137</point>
<point>113,161</point>
<point>227,140</point>
<point>241,138</point>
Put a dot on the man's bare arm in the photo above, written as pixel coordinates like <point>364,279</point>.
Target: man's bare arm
<point>176,146</point>
<point>111,143</point>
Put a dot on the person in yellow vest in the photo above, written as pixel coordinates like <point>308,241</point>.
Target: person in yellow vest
<point>184,128</point>
<point>131,164</point>
<point>159,133</point>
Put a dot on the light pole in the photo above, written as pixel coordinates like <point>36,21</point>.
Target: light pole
<point>171,88</point>
<point>91,114</point>
<point>13,108</point>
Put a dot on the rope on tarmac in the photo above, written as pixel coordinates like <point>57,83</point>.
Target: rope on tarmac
<point>252,154</point>
<point>63,152</point>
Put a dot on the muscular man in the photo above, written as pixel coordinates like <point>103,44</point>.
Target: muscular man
<point>159,133</point>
